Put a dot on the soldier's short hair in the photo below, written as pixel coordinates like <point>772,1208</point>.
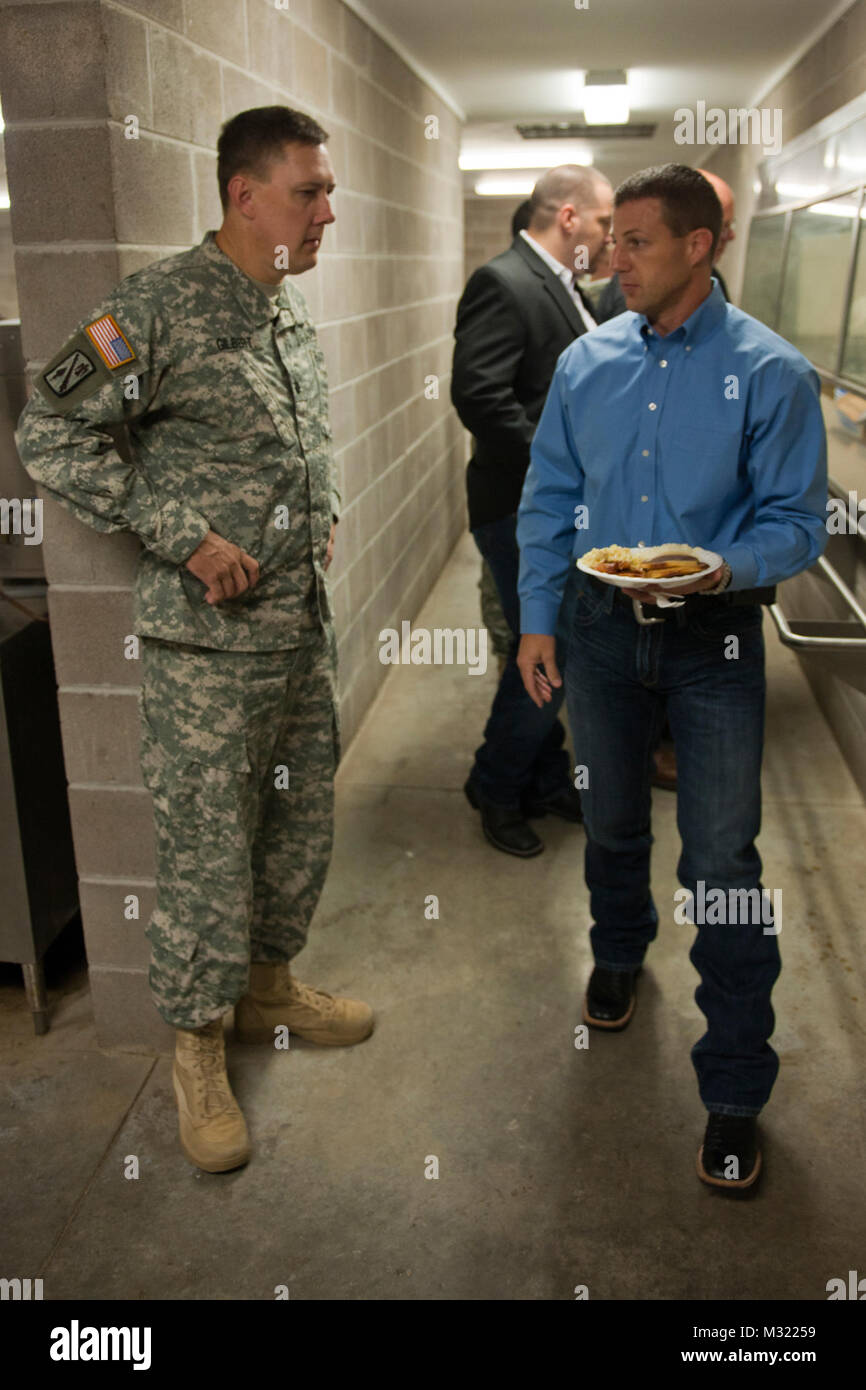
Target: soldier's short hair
<point>252,139</point>
<point>578,184</point>
<point>688,200</point>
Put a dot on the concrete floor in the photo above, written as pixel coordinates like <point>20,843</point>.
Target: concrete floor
<point>557,1167</point>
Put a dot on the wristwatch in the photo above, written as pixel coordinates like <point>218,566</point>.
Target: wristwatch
<point>723,582</point>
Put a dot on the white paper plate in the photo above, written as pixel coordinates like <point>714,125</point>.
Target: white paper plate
<point>650,552</point>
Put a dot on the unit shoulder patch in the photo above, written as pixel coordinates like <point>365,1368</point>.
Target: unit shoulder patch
<point>90,359</point>
<point>69,373</point>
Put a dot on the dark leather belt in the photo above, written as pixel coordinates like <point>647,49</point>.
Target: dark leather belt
<point>736,599</point>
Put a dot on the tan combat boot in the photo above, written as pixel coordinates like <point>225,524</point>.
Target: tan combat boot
<point>276,999</point>
<point>213,1133</point>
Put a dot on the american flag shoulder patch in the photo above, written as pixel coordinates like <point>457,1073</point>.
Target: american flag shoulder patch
<point>109,341</point>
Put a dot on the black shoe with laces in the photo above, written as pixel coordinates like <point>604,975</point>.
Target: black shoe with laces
<point>609,1001</point>
<point>729,1156</point>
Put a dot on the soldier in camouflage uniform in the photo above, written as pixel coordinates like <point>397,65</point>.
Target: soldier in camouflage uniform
<point>210,362</point>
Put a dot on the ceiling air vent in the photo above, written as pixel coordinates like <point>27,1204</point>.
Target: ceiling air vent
<point>574,130</point>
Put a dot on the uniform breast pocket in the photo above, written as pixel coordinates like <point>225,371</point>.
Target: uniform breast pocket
<point>217,399</point>
<point>268,384</point>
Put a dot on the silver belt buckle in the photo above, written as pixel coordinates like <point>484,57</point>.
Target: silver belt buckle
<point>637,607</point>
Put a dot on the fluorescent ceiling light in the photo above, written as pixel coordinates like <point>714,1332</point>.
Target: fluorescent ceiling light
<point>4,199</point>
<point>605,98</point>
<point>503,187</point>
<point>530,154</point>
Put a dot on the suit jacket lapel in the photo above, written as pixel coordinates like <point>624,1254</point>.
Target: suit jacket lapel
<point>553,285</point>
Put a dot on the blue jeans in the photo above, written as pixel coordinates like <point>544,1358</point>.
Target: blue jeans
<point>522,753</point>
<point>621,678</point>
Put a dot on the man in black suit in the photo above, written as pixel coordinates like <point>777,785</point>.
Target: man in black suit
<point>612,300</point>
<point>516,315</point>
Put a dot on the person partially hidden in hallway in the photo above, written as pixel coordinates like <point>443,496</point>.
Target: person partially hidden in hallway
<point>210,362</point>
<point>516,315</point>
<point>687,421</point>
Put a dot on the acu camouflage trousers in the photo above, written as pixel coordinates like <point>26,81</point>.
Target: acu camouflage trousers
<point>239,751</point>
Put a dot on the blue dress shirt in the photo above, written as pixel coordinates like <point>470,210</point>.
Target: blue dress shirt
<point>712,436</point>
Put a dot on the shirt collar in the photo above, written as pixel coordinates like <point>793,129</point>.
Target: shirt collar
<point>699,325</point>
<point>556,266</point>
<point>257,307</point>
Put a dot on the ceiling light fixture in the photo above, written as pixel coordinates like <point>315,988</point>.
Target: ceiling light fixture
<point>605,97</point>
<point>504,187</point>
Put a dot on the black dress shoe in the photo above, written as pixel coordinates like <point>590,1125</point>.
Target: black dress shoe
<point>505,827</point>
<point>729,1156</point>
<point>564,803</point>
<point>609,1001</point>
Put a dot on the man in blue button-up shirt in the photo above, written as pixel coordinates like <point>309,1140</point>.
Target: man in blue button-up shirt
<point>684,420</point>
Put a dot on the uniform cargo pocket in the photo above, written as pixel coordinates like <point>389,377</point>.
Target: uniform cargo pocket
<point>174,949</point>
<point>190,711</point>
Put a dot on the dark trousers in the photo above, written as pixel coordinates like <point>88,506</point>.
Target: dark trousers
<point>522,753</point>
<point>621,678</point>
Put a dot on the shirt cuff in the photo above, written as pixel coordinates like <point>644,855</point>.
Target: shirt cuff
<point>538,615</point>
<point>744,567</point>
<point>181,532</point>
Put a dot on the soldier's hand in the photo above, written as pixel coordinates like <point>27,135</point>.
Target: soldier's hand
<point>537,649</point>
<point>224,568</point>
<point>330,551</point>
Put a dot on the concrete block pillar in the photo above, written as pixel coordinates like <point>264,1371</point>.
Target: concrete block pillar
<point>113,112</point>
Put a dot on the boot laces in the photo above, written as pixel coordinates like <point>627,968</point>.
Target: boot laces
<point>211,1081</point>
<point>305,994</point>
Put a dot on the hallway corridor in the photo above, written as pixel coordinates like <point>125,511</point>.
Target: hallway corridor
<point>557,1167</point>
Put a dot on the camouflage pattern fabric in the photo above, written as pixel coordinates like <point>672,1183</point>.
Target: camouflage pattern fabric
<point>492,616</point>
<point>241,860</point>
<point>223,399</point>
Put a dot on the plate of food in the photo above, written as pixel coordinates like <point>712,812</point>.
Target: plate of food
<point>667,566</point>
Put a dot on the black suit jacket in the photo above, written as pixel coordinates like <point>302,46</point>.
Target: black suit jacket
<point>514,319</point>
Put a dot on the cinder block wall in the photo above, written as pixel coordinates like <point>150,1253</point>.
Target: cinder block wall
<point>8,288</point>
<point>89,206</point>
<point>487,229</point>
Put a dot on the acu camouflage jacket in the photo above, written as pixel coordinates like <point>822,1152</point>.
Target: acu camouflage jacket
<point>188,403</point>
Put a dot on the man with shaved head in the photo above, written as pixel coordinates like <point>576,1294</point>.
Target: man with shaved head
<point>516,316</point>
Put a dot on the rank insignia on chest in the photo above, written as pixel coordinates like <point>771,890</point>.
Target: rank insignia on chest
<point>232,344</point>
